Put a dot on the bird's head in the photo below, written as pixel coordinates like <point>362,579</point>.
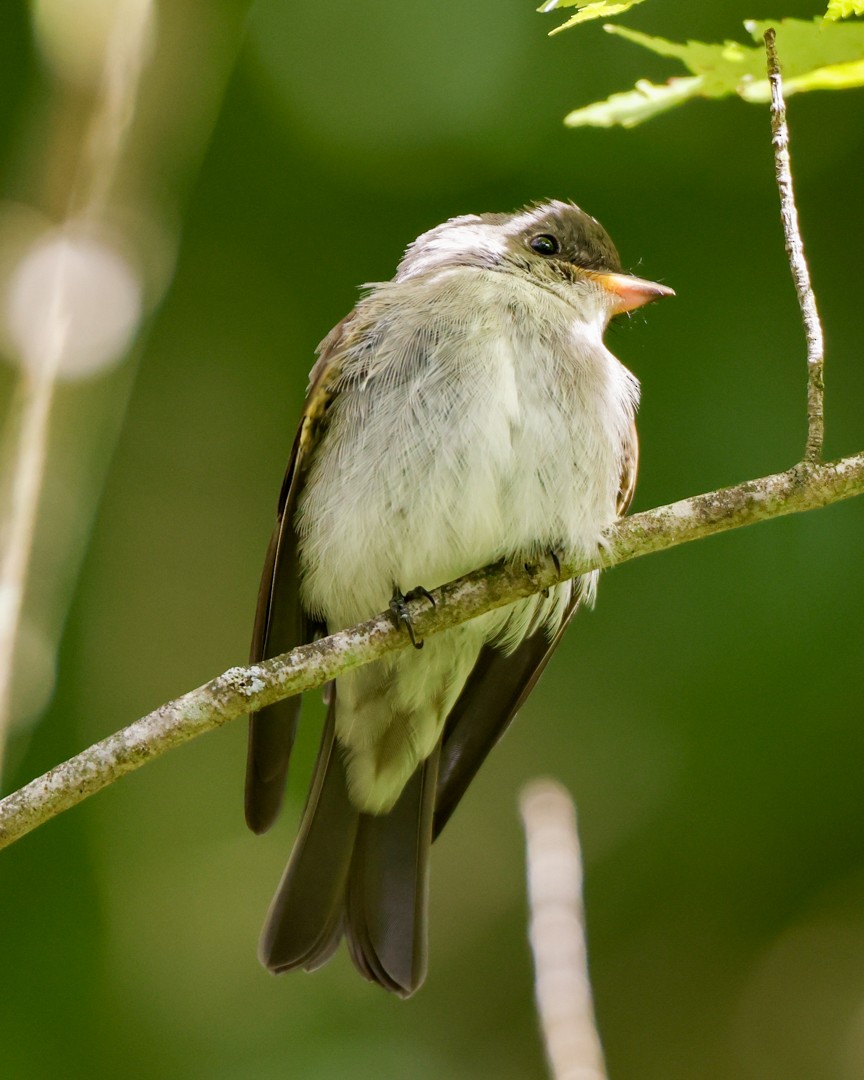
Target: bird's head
<point>555,244</point>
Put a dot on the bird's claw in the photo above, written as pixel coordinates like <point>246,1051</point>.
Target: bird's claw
<point>401,614</point>
<point>555,558</point>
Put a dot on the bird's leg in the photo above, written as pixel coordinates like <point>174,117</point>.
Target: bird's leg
<point>400,613</point>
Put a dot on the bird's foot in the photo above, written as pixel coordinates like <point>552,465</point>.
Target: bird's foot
<point>554,556</point>
<point>401,614</point>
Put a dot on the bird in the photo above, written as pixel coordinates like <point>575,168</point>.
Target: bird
<point>465,412</point>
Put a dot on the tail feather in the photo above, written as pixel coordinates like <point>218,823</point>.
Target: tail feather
<point>304,923</point>
<point>359,874</point>
<point>387,900</point>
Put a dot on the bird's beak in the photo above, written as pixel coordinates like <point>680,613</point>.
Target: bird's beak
<point>629,292</point>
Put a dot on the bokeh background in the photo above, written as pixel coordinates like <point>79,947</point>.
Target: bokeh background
<point>707,716</point>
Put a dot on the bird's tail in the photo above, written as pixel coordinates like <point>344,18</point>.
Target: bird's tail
<point>359,874</point>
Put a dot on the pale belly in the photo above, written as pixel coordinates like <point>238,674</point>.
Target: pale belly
<point>482,451</point>
<point>429,488</point>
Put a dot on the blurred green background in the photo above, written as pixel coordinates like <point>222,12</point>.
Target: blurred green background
<point>707,716</point>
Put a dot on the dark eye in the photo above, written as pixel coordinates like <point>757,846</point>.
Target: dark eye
<point>544,244</point>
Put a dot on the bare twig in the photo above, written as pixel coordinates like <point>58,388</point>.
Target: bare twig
<point>557,933</point>
<point>240,690</point>
<point>797,260</point>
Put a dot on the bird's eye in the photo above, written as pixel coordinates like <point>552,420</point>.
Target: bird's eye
<point>544,244</point>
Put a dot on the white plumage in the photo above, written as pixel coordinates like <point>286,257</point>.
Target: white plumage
<point>476,416</point>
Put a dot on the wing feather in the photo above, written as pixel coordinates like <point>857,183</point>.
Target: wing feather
<point>281,624</point>
<point>495,691</point>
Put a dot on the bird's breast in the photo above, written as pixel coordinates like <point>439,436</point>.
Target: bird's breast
<point>461,441</point>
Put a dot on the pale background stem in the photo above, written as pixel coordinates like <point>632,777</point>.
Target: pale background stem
<point>89,193</point>
<point>130,104</point>
<point>557,933</point>
<point>25,488</point>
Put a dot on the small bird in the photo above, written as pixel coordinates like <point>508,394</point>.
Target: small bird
<point>465,412</point>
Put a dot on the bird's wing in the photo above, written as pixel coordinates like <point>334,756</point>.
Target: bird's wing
<point>495,691</point>
<point>629,469</point>
<point>305,921</point>
<point>280,622</point>
<point>499,684</point>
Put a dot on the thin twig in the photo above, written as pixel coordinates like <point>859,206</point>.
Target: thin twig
<point>241,690</point>
<point>797,260</point>
<point>557,933</point>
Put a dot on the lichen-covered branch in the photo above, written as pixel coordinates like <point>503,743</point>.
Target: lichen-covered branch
<point>240,690</point>
<point>797,261</point>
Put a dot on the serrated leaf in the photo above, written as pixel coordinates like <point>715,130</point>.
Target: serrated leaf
<point>598,9</point>
<point>817,55</point>
<point>803,46</point>
<point>634,106</point>
<point>556,5</point>
<point>721,67</point>
<point>834,77</point>
<point>843,9</point>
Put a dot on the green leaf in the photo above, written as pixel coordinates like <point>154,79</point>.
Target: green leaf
<point>816,55</point>
<point>833,77</point>
<point>634,106</point>
<point>721,67</point>
<point>804,46</point>
<point>600,9</point>
<point>842,9</point>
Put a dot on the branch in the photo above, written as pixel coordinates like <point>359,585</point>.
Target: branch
<point>562,985</point>
<point>240,690</point>
<point>797,261</point>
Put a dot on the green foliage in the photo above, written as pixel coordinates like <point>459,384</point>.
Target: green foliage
<point>818,55</point>
<point>842,9</point>
<point>599,9</point>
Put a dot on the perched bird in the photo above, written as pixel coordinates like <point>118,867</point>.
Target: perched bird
<point>465,412</point>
